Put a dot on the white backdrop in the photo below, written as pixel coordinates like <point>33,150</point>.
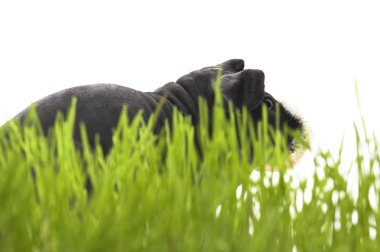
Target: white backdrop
<point>311,51</point>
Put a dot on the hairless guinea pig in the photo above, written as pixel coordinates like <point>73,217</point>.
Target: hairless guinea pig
<point>99,106</point>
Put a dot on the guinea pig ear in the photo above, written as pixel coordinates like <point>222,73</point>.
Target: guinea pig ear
<point>245,88</point>
<point>232,66</point>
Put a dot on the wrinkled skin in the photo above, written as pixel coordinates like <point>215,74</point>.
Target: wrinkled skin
<point>99,106</point>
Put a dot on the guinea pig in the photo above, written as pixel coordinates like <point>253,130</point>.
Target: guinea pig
<point>99,106</point>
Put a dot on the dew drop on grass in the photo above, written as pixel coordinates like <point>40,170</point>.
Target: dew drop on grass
<point>239,190</point>
<point>323,228</point>
<point>299,200</point>
<point>337,223</point>
<point>218,210</point>
<point>353,183</point>
<point>307,196</point>
<point>372,229</point>
<point>376,169</point>
<point>377,184</point>
<point>372,220</point>
<point>354,217</point>
<point>320,173</point>
<point>329,185</point>
<point>373,199</point>
<point>353,188</point>
<point>342,195</point>
<point>292,212</point>
<point>310,183</point>
<point>295,184</point>
<point>372,233</point>
<point>266,182</point>
<point>335,197</point>
<point>256,210</point>
<point>245,196</point>
<point>317,191</point>
<point>287,177</point>
<point>254,190</point>
<point>324,207</point>
<point>275,178</point>
<point>238,204</point>
<point>255,176</point>
<point>251,227</point>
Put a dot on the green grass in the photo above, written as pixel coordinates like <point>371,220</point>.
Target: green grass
<point>154,193</point>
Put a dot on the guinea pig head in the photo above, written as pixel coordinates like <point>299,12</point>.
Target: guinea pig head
<point>247,88</point>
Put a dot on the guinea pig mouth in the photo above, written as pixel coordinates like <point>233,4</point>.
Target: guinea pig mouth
<point>298,146</point>
<point>298,143</point>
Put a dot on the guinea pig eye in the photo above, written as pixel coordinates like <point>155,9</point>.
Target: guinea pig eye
<point>269,103</point>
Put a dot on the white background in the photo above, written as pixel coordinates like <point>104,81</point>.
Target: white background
<point>311,51</point>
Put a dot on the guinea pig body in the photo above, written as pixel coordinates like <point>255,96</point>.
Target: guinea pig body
<point>99,106</point>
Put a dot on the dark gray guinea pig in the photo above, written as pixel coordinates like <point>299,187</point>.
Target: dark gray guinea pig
<point>99,106</point>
